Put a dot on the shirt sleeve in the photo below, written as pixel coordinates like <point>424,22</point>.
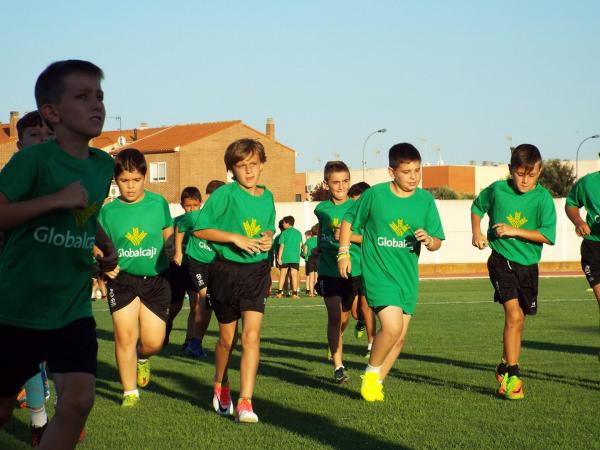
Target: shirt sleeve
<point>103,220</point>
<point>271,223</point>
<point>547,218</point>
<point>214,209</point>
<point>167,219</point>
<point>482,203</point>
<point>433,223</point>
<point>19,176</point>
<point>359,212</point>
<point>574,197</point>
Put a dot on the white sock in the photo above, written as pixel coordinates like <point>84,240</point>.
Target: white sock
<point>370,368</point>
<point>370,346</point>
<point>134,392</point>
<point>142,360</point>
<point>339,367</point>
<point>39,418</point>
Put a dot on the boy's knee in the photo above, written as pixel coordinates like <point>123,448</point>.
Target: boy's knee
<point>250,338</point>
<point>225,343</point>
<point>77,403</point>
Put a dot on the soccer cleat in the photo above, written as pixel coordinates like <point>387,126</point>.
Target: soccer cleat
<point>514,388</point>
<point>279,295</point>
<point>194,349</point>
<point>340,376</point>
<point>359,330</point>
<point>36,435</point>
<point>129,401</point>
<point>502,384</point>
<point>295,296</point>
<point>245,413</point>
<point>371,389</point>
<point>143,373</point>
<point>81,435</point>
<point>22,399</point>
<point>222,400</point>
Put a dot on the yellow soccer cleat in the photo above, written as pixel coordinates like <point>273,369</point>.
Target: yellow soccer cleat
<point>371,389</point>
<point>143,372</point>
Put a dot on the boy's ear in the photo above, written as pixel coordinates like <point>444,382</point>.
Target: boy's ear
<point>50,113</point>
<point>391,172</point>
<point>325,185</point>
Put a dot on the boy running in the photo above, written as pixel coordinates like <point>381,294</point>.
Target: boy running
<point>396,219</point>
<point>139,223</point>
<point>586,194</point>
<point>50,196</point>
<point>288,256</point>
<point>522,219</point>
<point>338,292</point>
<point>239,221</point>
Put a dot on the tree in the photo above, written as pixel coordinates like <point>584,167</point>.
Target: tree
<point>319,193</point>
<point>558,177</point>
<point>443,193</point>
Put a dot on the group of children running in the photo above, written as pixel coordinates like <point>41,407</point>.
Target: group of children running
<point>362,258</point>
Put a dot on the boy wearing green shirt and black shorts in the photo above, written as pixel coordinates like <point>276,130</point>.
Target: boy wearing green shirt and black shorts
<point>288,256</point>
<point>311,259</point>
<point>522,219</point>
<point>239,221</point>
<point>139,297</point>
<point>586,194</point>
<point>396,219</point>
<point>50,196</point>
<point>338,292</point>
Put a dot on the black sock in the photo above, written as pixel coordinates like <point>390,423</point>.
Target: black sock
<point>513,370</point>
<point>501,368</point>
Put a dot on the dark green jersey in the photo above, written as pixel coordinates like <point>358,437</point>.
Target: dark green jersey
<point>46,263</point>
<point>330,217</point>
<point>586,194</point>
<point>230,208</point>
<point>390,251</point>
<point>291,239</point>
<point>533,210</point>
<point>137,232</point>
<point>197,249</point>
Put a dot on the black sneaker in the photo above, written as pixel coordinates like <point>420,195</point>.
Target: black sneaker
<point>36,435</point>
<point>339,375</point>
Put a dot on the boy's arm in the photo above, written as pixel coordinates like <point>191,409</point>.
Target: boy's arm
<point>179,235</point>
<point>106,253</point>
<point>504,230</point>
<point>479,239</point>
<point>214,235</point>
<point>343,259</point>
<point>13,214</point>
<point>431,242</point>
<point>167,234</point>
<point>280,253</point>
<point>355,239</point>
<point>581,228</point>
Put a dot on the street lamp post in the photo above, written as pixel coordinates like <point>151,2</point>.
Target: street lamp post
<point>364,161</point>
<point>595,136</point>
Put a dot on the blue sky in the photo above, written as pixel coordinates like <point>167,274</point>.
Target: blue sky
<point>462,75</point>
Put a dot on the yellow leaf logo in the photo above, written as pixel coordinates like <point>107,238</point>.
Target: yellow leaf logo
<point>335,223</point>
<point>135,237</point>
<point>517,221</point>
<point>83,215</point>
<point>251,228</point>
<point>399,227</point>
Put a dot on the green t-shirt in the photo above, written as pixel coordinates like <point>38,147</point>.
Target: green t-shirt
<point>45,268</point>
<point>197,249</point>
<point>230,208</point>
<point>187,233</point>
<point>533,210</point>
<point>309,246</point>
<point>291,239</point>
<point>330,217</point>
<point>586,193</point>
<point>137,232</point>
<point>390,251</point>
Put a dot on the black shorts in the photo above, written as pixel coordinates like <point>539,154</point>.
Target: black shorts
<point>154,292</point>
<point>237,287</point>
<point>513,280</point>
<point>72,348</point>
<point>590,261</point>
<point>311,264</point>
<point>197,274</point>
<point>290,266</point>
<point>345,289</point>
<point>179,281</point>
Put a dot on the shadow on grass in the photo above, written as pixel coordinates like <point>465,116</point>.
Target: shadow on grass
<point>564,348</point>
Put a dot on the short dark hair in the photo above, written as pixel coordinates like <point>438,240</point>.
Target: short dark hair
<point>29,120</point>
<point>280,225</point>
<point>403,153</point>
<point>315,229</point>
<point>191,192</point>
<point>289,220</point>
<point>358,188</point>
<point>526,156</point>
<point>130,159</point>
<point>213,185</point>
<point>50,85</point>
<point>242,148</point>
<point>333,167</point>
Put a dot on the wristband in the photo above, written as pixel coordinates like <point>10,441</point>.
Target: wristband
<point>341,256</point>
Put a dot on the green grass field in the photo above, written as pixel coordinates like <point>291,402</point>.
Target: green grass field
<point>439,395</point>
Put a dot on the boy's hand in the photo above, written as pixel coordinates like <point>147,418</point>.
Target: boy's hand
<point>113,273</point>
<point>336,233</point>
<point>345,267</point>
<point>247,244</point>
<point>178,258</point>
<point>503,230</point>
<point>480,241</point>
<point>422,236</point>
<point>583,229</point>
<point>72,196</point>
<point>266,242</point>
<point>107,262</point>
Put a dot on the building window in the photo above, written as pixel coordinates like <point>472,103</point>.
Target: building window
<point>298,197</point>
<point>158,172</point>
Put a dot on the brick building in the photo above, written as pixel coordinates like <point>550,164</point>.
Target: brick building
<point>8,138</point>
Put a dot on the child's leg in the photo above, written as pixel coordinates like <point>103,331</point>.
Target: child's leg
<point>369,318</point>
<point>337,320</point>
<point>125,323</point>
<point>251,324</point>
<point>295,280</point>
<point>75,393</point>
<point>192,320</point>
<point>394,353</point>
<point>354,308</point>
<point>223,349</point>
<point>313,281</point>
<point>392,325</point>
<point>288,280</point>
<point>203,316</point>
<point>514,322</point>
<point>282,278</point>
<point>36,400</point>
<point>152,333</point>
